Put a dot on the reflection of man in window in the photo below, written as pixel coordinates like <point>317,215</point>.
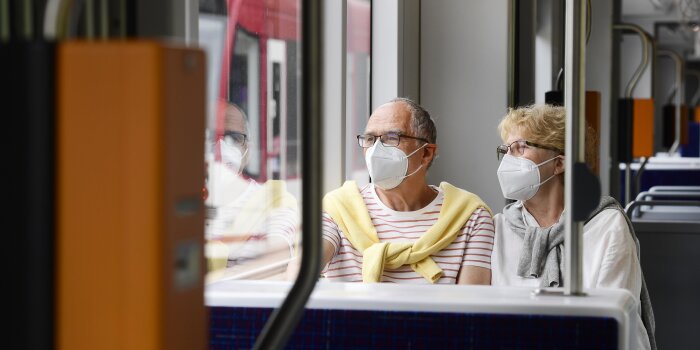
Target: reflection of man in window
<point>398,228</point>
<point>246,219</point>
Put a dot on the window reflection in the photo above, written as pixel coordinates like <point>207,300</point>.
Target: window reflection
<point>253,148</point>
<point>251,225</point>
<point>253,185</point>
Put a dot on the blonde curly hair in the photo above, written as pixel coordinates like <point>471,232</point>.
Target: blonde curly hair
<point>546,125</point>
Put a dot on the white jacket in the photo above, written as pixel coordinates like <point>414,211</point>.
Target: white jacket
<point>609,259</point>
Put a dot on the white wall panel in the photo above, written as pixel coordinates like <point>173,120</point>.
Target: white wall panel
<point>464,87</point>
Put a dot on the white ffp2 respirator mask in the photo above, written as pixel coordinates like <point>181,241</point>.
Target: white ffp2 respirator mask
<point>387,166</point>
<point>520,177</point>
<point>232,156</point>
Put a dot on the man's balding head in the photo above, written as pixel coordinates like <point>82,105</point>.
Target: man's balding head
<point>422,124</point>
<point>235,119</point>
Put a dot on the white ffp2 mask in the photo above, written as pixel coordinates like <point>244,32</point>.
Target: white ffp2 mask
<point>232,156</point>
<point>520,177</point>
<point>387,166</point>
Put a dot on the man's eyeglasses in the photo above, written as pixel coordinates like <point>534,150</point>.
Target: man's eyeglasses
<point>391,139</point>
<point>517,148</point>
<point>234,138</point>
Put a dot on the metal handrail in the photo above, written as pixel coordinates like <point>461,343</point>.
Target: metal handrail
<point>4,21</point>
<point>631,208</point>
<point>284,320</point>
<point>638,176</point>
<point>679,194</point>
<point>671,94</point>
<point>28,20</point>
<point>680,94</point>
<point>511,71</point>
<point>646,39</point>
<point>574,102</point>
<point>696,97</point>
<point>674,188</point>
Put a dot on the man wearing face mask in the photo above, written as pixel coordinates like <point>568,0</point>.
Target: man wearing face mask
<point>398,228</point>
<point>245,218</point>
<point>529,242</point>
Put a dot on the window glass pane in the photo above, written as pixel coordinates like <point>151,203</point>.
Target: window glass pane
<point>357,84</point>
<point>253,151</point>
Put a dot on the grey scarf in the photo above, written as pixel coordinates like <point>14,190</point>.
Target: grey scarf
<point>542,254</point>
<point>543,248</point>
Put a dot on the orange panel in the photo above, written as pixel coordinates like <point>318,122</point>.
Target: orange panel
<point>697,114</point>
<point>118,181</point>
<point>643,128</point>
<point>593,121</point>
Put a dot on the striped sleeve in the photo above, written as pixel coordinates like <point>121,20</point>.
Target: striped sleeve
<point>331,232</point>
<point>480,232</point>
<point>283,223</point>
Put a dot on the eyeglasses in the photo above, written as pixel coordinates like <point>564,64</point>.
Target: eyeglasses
<point>235,138</point>
<point>391,139</point>
<point>517,148</point>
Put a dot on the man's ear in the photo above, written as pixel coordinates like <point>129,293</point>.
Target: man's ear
<point>430,152</point>
<point>246,158</point>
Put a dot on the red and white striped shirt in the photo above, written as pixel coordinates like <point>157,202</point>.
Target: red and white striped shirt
<point>472,247</point>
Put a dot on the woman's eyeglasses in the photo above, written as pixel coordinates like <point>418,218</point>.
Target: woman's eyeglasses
<point>517,148</point>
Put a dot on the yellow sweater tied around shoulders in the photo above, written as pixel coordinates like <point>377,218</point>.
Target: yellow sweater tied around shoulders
<point>347,208</point>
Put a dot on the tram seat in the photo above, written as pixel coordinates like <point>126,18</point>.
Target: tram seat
<point>403,316</point>
<point>673,204</point>
<point>666,220</point>
<point>662,171</point>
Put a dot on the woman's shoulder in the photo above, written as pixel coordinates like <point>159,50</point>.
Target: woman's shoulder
<point>498,217</point>
<point>610,223</point>
<point>609,216</point>
<point>501,230</point>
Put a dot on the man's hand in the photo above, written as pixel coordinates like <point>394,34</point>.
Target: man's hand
<point>295,263</point>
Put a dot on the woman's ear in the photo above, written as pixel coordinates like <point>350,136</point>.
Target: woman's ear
<point>559,164</point>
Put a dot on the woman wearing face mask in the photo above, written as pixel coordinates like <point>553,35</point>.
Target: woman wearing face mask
<point>529,238</point>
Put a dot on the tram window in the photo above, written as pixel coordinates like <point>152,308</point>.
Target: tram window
<point>243,90</point>
<point>358,81</point>
<point>258,176</point>
<point>253,137</point>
